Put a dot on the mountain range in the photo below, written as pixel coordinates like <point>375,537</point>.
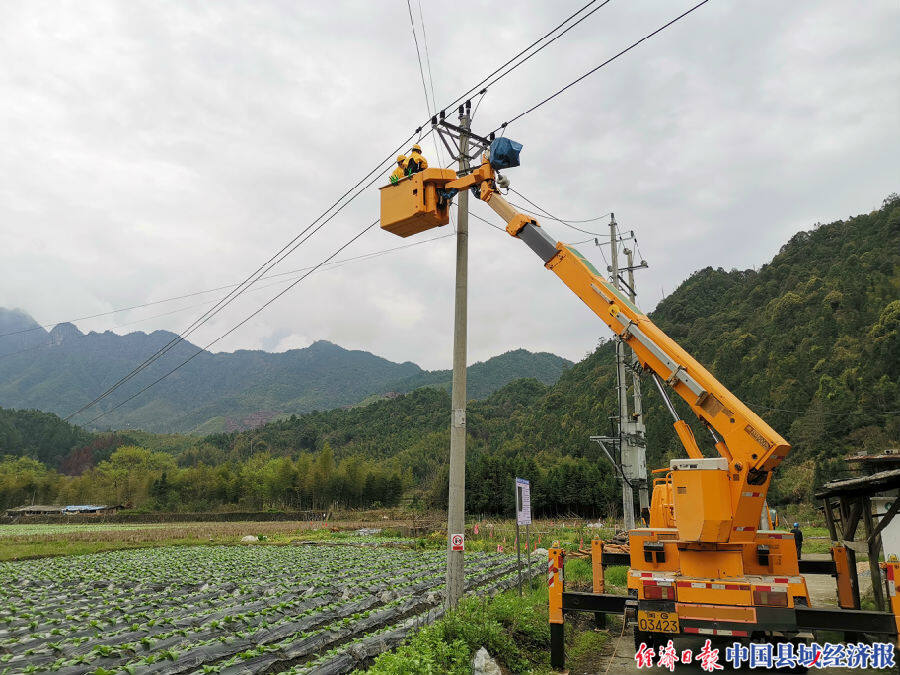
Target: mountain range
<point>809,340</point>
<point>61,370</point>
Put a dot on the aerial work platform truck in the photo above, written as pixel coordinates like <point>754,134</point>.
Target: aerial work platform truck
<point>708,562</point>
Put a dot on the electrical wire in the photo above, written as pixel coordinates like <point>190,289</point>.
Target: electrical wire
<point>276,259</point>
<point>475,88</point>
<point>211,290</point>
<point>551,41</point>
<point>338,263</point>
<point>430,108</point>
<point>567,223</point>
<point>478,104</point>
<point>598,67</point>
<point>534,212</point>
<point>266,304</point>
<point>239,324</point>
<point>559,220</point>
<point>485,220</point>
<point>497,227</point>
<point>412,25</point>
<point>427,60</point>
<point>289,248</point>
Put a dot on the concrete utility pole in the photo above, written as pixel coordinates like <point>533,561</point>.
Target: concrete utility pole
<point>622,387</point>
<point>456,503</point>
<point>638,430</point>
<point>632,443</point>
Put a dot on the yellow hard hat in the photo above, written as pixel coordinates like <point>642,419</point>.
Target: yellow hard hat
<point>401,158</point>
<point>417,148</point>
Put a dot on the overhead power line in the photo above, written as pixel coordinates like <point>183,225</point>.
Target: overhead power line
<point>427,59</point>
<point>239,324</point>
<point>286,250</point>
<point>564,221</point>
<point>519,54</point>
<point>291,246</point>
<point>412,25</point>
<point>336,263</point>
<point>598,67</point>
<point>485,220</point>
<point>549,42</point>
<point>567,223</point>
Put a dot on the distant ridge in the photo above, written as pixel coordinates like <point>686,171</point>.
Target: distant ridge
<point>59,370</point>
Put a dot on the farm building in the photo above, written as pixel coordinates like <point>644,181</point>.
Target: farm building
<point>87,509</point>
<point>33,510</point>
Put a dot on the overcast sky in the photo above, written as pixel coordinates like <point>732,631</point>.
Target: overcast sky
<point>153,149</point>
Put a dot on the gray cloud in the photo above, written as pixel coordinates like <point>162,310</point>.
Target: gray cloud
<point>154,149</point>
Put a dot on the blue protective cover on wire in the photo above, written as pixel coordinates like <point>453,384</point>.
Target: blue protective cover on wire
<point>504,153</point>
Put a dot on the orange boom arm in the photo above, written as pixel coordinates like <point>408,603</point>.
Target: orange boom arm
<point>751,447</point>
<point>715,500</point>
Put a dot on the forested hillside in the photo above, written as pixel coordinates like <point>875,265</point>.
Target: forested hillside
<point>41,436</point>
<point>485,377</point>
<point>811,341</point>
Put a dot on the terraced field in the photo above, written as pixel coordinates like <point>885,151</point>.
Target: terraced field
<point>228,609</point>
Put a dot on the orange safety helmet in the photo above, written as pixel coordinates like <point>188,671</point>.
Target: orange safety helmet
<point>401,159</point>
<point>416,148</point>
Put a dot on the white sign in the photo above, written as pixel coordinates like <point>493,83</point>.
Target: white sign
<point>457,542</point>
<point>523,502</point>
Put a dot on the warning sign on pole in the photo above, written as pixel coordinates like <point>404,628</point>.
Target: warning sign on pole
<point>457,542</point>
<point>523,502</point>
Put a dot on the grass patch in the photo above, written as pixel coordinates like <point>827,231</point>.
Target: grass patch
<point>514,630</point>
<point>584,654</point>
<point>579,571</point>
<point>615,575</point>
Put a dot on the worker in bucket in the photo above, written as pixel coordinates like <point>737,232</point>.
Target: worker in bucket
<point>798,538</point>
<point>416,161</point>
<point>400,171</point>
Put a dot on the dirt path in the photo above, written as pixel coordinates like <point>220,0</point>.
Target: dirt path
<point>822,588</point>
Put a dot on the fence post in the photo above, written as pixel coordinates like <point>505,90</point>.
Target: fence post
<point>555,587</point>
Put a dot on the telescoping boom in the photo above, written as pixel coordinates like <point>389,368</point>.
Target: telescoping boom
<point>734,494</point>
<point>709,561</point>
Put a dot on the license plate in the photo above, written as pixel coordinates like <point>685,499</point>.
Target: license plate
<point>657,622</point>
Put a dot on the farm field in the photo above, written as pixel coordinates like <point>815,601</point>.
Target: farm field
<point>223,609</point>
<point>23,541</point>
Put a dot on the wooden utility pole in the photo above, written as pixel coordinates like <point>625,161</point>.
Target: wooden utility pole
<point>456,502</point>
